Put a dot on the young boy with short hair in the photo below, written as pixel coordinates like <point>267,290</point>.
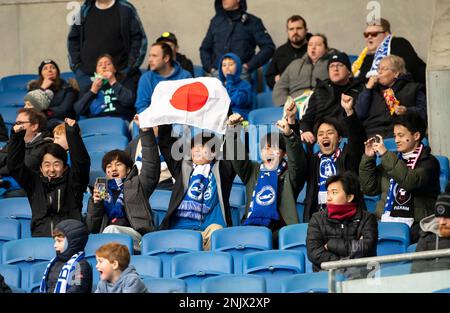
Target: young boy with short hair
<point>116,273</point>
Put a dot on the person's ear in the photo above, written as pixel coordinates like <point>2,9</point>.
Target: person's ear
<point>416,136</point>
<point>115,265</point>
<point>350,198</point>
<point>34,127</point>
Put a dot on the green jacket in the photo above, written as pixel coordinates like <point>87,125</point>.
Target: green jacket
<point>422,181</point>
<point>290,182</point>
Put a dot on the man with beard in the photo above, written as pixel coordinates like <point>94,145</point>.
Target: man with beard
<point>293,49</point>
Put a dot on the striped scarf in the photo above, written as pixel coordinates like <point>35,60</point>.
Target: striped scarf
<point>114,209</point>
<point>383,51</point>
<point>65,275</point>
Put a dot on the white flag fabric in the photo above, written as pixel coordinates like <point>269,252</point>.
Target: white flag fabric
<point>201,102</point>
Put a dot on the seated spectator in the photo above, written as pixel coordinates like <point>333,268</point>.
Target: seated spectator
<point>345,229</point>
<point>56,193</point>
<point>107,96</point>
<point>116,273</point>
<point>331,159</point>
<point>389,94</point>
<point>171,40</point>
<point>273,185</point>
<point>64,93</point>
<point>240,91</point>
<point>408,181</point>
<point>381,43</point>
<point>70,237</point>
<point>294,48</point>
<point>301,76</point>
<point>326,98</point>
<point>123,207</point>
<point>162,68</point>
<point>200,197</point>
<point>435,235</point>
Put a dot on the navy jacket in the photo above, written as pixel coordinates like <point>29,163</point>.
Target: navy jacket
<point>238,32</point>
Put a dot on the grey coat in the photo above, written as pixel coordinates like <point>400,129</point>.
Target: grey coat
<point>128,282</point>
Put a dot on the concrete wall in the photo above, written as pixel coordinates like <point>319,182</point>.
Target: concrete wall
<point>32,30</point>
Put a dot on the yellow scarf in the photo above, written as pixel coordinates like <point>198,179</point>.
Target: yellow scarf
<point>359,61</point>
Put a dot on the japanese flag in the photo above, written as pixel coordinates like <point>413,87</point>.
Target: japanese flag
<point>200,102</point>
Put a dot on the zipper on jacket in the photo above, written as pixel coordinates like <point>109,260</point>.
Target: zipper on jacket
<point>59,200</point>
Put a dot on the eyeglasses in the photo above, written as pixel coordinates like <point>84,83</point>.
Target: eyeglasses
<point>384,69</point>
<point>21,122</point>
<point>372,34</point>
<point>336,65</point>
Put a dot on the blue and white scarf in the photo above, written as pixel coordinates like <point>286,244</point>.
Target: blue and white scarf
<point>65,276</point>
<point>263,207</point>
<point>114,209</point>
<point>399,202</point>
<point>197,201</point>
<point>383,51</point>
<point>327,168</point>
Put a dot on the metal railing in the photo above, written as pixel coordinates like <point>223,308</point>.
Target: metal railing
<point>331,267</point>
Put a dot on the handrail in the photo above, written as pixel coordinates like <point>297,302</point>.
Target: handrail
<point>387,259</point>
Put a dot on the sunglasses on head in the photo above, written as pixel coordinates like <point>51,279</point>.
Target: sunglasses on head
<point>373,34</point>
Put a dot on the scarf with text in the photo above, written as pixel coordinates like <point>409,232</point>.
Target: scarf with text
<point>327,168</point>
<point>65,276</point>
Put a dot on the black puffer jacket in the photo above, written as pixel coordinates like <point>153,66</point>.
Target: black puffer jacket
<point>77,237</point>
<point>51,201</point>
<point>342,238</point>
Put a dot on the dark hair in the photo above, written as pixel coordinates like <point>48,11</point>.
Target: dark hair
<point>205,138</point>
<point>267,140</point>
<point>350,184</point>
<point>119,75</point>
<point>119,155</point>
<point>58,233</point>
<point>413,122</point>
<point>324,38</point>
<point>35,117</point>
<point>330,121</point>
<point>166,49</point>
<point>384,23</point>
<point>295,18</point>
<point>56,150</point>
<point>57,84</point>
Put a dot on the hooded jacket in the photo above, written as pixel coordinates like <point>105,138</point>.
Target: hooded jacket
<point>128,282</point>
<point>137,190</point>
<point>240,91</point>
<point>430,240</point>
<point>132,32</point>
<point>76,234</point>
<point>238,32</point>
<point>148,82</point>
<point>51,201</point>
<point>371,106</point>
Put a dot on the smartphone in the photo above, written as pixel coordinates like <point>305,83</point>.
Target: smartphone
<point>102,186</point>
<point>377,139</point>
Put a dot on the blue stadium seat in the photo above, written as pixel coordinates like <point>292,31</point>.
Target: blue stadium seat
<point>264,100</point>
<point>234,284</point>
<point>9,230</point>
<point>198,71</point>
<point>306,283</point>
<point>394,269</point>
<point>265,116</point>
<point>11,274</point>
<point>393,238</point>
<point>26,252</point>
<point>446,290</point>
<point>241,240</point>
<point>67,75</point>
<point>36,273</point>
<point>103,126</point>
<point>86,197</point>
<point>9,114</point>
<point>274,266</point>
<point>444,164</point>
<point>352,58</point>
<point>293,237</point>
<point>237,203</point>
<point>17,82</point>
<point>159,202</point>
<point>371,203</point>
<point>19,209</point>
<point>301,203</point>
<point>147,266</point>
<point>95,241</point>
<point>168,243</point>
<point>389,143</point>
<point>195,267</point>
<point>412,248</point>
<point>165,285</point>
<point>12,98</point>
<point>105,143</point>
<point>96,166</point>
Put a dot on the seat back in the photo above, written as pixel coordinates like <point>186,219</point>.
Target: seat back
<point>36,274</point>
<point>95,241</point>
<point>393,238</point>
<point>234,284</point>
<point>265,116</point>
<point>105,143</point>
<point>293,237</point>
<point>103,126</point>
<point>17,82</point>
<point>147,266</point>
<point>11,274</point>
<point>306,283</point>
<point>165,285</point>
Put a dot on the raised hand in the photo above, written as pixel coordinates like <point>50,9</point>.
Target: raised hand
<point>96,85</point>
<point>283,126</point>
<point>308,137</point>
<point>378,145</point>
<point>400,110</point>
<point>234,119</point>
<point>347,104</point>
<point>70,122</point>
<point>372,82</point>
<point>290,111</point>
<point>46,83</point>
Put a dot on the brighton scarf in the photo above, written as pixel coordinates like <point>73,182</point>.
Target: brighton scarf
<point>399,202</point>
<point>383,51</point>
<point>197,201</point>
<point>342,212</point>
<point>327,168</point>
<point>263,207</point>
<point>65,275</point>
<point>114,210</point>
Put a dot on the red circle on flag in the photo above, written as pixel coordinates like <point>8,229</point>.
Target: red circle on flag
<point>191,97</point>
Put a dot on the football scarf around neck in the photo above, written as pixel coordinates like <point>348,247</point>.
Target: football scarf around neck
<point>327,168</point>
<point>356,66</point>
<point>197,201</point>
<point>263,207</point>
<point>383,51</point>
<point>65,276</point>
<point>399,205</point>
<point>114,209</point>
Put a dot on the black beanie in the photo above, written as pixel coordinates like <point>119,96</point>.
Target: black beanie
<point>442,206</point>
<point>45,62</point>
<point>341,57</point>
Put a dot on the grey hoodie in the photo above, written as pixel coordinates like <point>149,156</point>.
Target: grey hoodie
<point>128,282</point>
